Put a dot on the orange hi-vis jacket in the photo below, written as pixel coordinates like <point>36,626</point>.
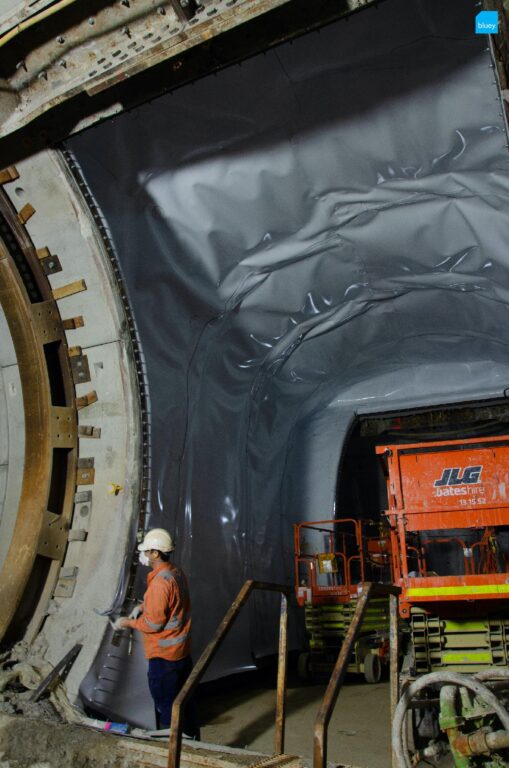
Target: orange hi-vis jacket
<point>165,623</point>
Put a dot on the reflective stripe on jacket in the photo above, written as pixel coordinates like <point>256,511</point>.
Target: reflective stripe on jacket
<point>165,623</point>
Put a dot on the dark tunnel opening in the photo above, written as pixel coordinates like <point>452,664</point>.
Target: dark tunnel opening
<point>362,487</point>
<point>361,490</point>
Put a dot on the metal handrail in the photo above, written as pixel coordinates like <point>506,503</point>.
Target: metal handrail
<point>175,742</point>
<point>302,558</point>
<point>338,673</point>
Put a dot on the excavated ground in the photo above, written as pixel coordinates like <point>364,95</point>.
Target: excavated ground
<point>26,743</point>
<point>236,713</point>
<point>239,712</point>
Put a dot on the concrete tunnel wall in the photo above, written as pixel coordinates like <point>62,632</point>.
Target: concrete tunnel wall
<point>63,222</point>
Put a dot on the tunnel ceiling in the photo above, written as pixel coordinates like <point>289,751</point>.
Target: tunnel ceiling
<point>68,64</point>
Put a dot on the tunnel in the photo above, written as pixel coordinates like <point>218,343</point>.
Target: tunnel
<point>219,294</point>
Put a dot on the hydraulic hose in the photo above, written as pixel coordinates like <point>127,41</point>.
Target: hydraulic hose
<point>492,674</point>
<point>480,742</point>
<point>497,740</point>
<point>436,678</point>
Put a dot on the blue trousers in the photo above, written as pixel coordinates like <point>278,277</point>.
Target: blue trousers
<point>165,679</point>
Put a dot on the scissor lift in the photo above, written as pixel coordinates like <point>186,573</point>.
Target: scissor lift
<point>448,511</point>
<point>333,560</point>
<point>449,516</point>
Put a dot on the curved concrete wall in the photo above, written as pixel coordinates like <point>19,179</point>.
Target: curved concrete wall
<point>104,522</point>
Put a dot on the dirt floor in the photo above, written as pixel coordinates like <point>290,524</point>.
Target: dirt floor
<point>239,712</point>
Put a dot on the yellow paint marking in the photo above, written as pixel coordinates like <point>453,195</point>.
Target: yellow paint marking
<point>480,589</point>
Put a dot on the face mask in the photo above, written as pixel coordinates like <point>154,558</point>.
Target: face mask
<point>142,557</point>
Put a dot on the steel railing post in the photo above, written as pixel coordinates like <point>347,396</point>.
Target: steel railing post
<point>394,659</point>
<point>281,678</point>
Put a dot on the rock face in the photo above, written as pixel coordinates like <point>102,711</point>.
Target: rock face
<point>26,742</point>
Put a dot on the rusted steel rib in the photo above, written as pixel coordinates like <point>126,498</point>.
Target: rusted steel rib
<point>34,322</point>
<point>36,398</point>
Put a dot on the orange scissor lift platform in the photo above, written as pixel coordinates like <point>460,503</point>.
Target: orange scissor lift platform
<point>333,560</point>
<point>448,503</point>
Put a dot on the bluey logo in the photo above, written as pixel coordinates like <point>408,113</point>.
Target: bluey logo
<point>454,476</point>
<point>486,23</point>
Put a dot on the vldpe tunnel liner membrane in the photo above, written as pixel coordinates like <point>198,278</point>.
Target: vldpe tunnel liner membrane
<point>318,233</point>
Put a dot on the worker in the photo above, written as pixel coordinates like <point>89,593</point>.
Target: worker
<point>164,620</point>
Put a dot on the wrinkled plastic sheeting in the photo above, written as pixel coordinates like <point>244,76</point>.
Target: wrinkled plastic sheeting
<point>317,233</point>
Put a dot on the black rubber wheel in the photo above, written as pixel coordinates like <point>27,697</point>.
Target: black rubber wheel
<point>303,665</point>
<point>372,668</point>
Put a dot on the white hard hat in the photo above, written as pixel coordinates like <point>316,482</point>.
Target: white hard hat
<point>158,539</point>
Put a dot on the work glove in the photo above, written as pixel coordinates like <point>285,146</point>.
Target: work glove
<point>136,611</point>
<point>116,624</point>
